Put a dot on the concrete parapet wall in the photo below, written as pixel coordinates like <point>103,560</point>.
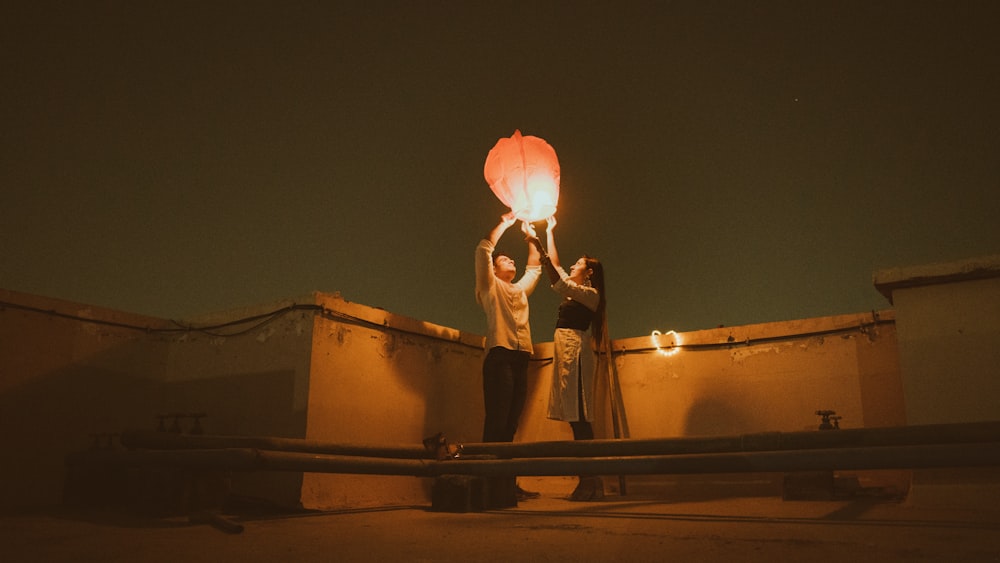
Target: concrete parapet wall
<point>380,378</point>
<point>948,319</point>
<point>323,368</point>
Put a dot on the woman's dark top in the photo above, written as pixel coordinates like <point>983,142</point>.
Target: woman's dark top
<point>573,314</point>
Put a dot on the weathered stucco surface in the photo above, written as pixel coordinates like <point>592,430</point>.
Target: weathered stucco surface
<point>322,368</point>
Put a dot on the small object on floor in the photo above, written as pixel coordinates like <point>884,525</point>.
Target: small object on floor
<point>525,495</point>
<point>459,493</point>
<point>470,493</point>
<point>438,446</point>
<point>589,488</point>
<point>217,520</point>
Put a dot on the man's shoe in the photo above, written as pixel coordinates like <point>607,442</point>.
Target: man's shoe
<point>525,495</point>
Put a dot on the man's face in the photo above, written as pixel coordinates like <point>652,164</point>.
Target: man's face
<point>504,267</point>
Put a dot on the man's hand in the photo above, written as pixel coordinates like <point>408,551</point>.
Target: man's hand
<point>506,220</point>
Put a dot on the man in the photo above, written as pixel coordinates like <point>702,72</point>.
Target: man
<point>508,334</point>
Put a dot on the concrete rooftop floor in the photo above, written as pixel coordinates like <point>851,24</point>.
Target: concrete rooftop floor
<point>551,528</point>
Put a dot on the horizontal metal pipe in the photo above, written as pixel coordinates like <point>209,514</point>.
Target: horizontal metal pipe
<point>173,441</point>
<point>882,457</point>
<point>959,433</point>
<point>232,459</point>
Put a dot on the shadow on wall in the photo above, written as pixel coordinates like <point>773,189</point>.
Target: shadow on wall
<point>711,416</point>
<point>241,404</point>
<point>448,392</point>
<point>449,375</point>
<point>64,411</point>
<point>247,404</point>
<point>88,404</point>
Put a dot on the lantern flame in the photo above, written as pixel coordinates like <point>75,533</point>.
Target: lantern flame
<point>523,172</point>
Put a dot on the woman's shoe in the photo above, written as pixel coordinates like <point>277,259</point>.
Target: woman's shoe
<point>588,489</point>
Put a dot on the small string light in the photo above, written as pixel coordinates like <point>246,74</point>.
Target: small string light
<point>674,346</point>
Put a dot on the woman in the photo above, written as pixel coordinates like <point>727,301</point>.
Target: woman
<point>571,398</point>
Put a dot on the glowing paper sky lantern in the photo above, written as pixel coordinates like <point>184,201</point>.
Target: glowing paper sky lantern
<point>523,172</point>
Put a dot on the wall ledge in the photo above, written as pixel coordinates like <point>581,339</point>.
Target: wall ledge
<point>752,334</point>
<point>891,279</point>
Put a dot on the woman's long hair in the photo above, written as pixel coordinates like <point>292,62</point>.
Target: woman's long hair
<point>599,325</point>
<point>601,342</point>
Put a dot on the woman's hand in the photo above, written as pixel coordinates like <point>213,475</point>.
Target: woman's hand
<point>530,236</point>
<point>550,222</point>
<point>528,229</point>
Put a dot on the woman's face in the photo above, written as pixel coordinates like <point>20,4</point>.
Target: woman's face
<point>579,270</point>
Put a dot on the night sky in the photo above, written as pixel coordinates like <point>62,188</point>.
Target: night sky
<point>729,162</point>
